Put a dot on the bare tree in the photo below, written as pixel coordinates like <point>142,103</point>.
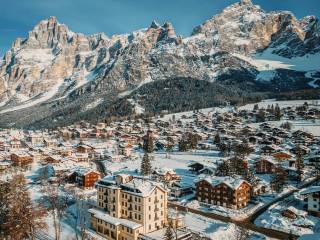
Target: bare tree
<point>241,233</point>
<point>57,204</point>
<point>81,212</point>
<point>20,218</point>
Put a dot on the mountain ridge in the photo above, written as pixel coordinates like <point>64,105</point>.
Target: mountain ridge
<point>54,66</point>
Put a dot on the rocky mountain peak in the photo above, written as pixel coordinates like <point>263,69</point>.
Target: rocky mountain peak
<point>72,66</point>
<point>169,30</point>
<point>246,2</point>
<point>48,33</point>
<point>155,24</point>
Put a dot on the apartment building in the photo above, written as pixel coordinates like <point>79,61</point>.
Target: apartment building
<point>129,206</point>
<point>312,197</point>
<point>224,191</point>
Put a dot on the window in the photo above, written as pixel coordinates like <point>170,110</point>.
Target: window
<point>149,216</point>
<point>149,226</point>
<point>149,199</point>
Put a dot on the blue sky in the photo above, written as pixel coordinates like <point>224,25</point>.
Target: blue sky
<point>17,17</point>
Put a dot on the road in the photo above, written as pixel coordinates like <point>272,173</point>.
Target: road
<point>248,222</point>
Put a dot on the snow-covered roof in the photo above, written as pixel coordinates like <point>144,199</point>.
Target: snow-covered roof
<point>309,190</point>
<point>141,187</point>
<point>112,220</point>
<point>297,211</point>
<point>233,183</point>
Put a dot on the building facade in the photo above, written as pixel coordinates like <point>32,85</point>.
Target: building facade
<point>224,191</point>
<point>129,207</point>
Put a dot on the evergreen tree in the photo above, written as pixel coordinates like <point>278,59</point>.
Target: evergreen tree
<point>272,109</point>
<point>146,168</point>
<point>169,145</point>
<point>192,140</point>
<point>255,107</point>
<point>223,169</point>
<point>237,166</point>
<point>242,150</point>
<point>299,162</point>
<point>148,142</point>
<point>217,139</point>
<point>223,149</point>
<point>169,233</point>
<point>261,116</point>
<point>286,125</point>
<point>279,179</point>
<point>183,145</point>
<point>277,112</point>
<point>250,177</point>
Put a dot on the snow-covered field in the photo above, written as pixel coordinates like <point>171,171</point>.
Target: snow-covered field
<point>93,104</point>
<point>178,161</point>
<point>267,61</point>
<point>50,94</point>
<point>282,104</point>
<point>214,229</point>
<point>303,224</point>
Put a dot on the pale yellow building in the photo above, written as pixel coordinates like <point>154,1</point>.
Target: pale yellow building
<point>129,206</point>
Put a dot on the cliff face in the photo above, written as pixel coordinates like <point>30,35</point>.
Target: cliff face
<point>54,63</point>
<point>245,28</point>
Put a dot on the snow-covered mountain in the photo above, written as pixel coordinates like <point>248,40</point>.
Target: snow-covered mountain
<point>56,70</point>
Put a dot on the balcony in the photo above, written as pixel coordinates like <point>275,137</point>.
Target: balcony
<point>130,200</point>
<point>156,200</point>
<point>156,209</point>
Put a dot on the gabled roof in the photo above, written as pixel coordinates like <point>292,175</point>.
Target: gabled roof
<point>233,183</point>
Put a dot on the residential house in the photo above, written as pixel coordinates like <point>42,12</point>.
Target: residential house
<point>312,195</point>
<point>21,158</point>
<point>85,178</point>
<point>224,191</point>
<point>265,165</point>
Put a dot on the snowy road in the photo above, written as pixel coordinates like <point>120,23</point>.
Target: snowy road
<point>248,223</point>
